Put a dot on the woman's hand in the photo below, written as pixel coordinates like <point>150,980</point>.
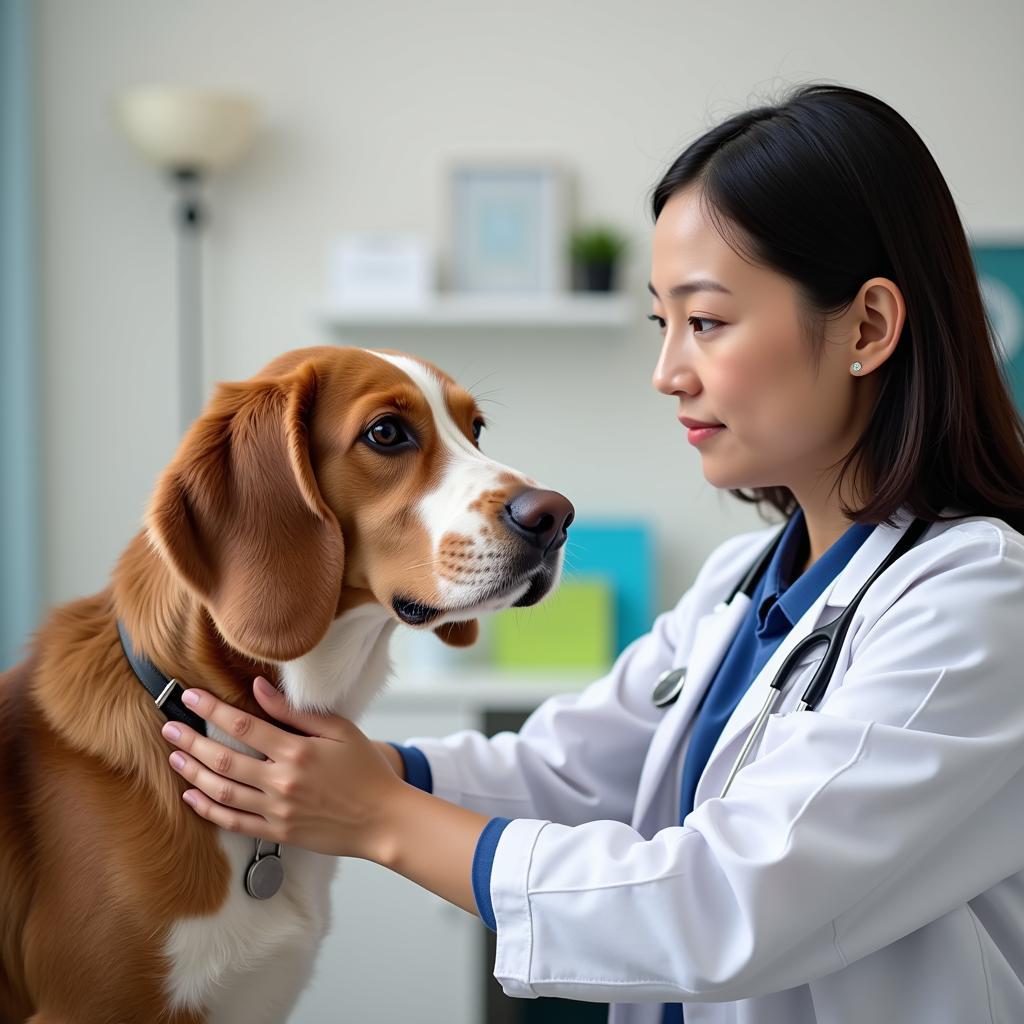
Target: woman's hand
<point>328,791</point>
<point>333,791</point>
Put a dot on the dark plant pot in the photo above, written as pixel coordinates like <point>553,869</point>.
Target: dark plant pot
<point>597,277</point>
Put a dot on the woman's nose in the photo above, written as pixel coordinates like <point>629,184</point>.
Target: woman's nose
<point>672,374</point>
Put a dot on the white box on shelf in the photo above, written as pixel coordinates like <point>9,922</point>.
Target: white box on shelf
<point>380,269</point>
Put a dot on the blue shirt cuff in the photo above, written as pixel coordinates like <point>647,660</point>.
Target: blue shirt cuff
<point>417,767</point>
<point>483,859</point>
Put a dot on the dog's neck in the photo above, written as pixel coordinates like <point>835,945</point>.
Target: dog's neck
<point>347,668</point>
<point>87,694</point>
<point>173,628</point>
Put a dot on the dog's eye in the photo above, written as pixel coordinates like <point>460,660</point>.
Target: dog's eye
<point>387,433</point>
<point>478,426</point>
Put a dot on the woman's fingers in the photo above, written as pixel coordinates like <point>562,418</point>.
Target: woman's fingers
<point>219,789</point>
<point>248,729</point>
<point>223,760</point>
<point>309,722</point>
<point>230,819</point>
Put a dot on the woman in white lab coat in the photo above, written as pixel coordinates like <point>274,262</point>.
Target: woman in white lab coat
<point>867,863</point>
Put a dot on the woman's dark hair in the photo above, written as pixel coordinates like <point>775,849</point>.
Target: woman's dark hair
<point>832,187</point>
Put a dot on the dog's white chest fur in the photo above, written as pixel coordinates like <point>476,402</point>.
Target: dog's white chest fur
<point>249,962</point>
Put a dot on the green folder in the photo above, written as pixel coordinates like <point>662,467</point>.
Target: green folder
<point>574,628</point>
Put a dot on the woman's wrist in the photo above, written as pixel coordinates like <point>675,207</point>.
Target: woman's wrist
<point>394,758</point>
<point>429,841</point>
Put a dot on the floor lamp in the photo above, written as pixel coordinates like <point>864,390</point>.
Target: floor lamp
<point>187,134</point>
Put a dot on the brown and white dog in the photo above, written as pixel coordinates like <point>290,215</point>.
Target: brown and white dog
<point>306,512</point>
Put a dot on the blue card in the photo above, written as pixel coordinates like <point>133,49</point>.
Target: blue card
<point>622,551</point>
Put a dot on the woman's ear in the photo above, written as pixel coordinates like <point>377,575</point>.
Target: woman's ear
<point>459,634</point>
<point>239,516</point>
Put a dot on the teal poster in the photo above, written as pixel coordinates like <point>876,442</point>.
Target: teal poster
<point>1001,276</point>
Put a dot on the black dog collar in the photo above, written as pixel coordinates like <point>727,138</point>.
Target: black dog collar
<point>265,874</point>
<point>166,693</point>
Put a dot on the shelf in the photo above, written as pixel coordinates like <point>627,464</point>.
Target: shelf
<point>574,309</point>
<point>485,687</point>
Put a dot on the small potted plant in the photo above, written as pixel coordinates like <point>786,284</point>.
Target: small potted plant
<point>595,252</point>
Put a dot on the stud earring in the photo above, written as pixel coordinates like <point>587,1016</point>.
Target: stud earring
<point>856,367</point>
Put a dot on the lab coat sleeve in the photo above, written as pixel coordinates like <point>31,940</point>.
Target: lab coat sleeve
<point>415,767</point>
<point>897,802</point>
<point>578,756</point>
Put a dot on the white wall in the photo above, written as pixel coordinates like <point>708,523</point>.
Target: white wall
<point>364,105</point>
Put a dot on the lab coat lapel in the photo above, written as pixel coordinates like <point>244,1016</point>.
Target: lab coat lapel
<point>712,634</point>
<point>836,595</point>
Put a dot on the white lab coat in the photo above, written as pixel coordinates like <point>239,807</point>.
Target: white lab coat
<point>867,865</point>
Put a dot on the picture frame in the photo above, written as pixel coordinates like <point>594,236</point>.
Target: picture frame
<point>1000,267</point>
<point>508,225</point>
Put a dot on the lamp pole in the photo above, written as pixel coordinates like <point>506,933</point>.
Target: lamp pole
<point>190,217</point>
<point>187,133</point>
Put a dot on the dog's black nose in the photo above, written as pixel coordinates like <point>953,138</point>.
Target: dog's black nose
<point>541,517</point>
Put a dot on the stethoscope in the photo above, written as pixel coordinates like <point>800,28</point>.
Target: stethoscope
<point>670,683</point>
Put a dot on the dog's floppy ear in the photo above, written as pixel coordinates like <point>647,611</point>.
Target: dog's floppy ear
<point>239,516</point>
<point>459,634</point>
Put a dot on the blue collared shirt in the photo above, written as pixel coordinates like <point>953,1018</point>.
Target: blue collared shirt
<point>778,603</point>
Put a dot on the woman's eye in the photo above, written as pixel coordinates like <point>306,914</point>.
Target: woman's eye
<point>478,426</point>
<point>387,433</point>
<point>703,319</point>
<point>689,320</point>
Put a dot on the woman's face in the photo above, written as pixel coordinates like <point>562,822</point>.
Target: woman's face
<point>738,357</point>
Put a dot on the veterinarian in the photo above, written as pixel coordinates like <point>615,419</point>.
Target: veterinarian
<point>819,309</point>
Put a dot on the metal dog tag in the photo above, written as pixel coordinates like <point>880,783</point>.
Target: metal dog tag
<point>265,874</point>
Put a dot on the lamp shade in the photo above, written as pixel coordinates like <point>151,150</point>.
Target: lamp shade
<point>186,129</point>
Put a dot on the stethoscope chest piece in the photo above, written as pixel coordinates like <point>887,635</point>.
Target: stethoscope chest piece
<point>669,686</point>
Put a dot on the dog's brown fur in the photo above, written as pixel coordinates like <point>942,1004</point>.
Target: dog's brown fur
<point>239,566</point>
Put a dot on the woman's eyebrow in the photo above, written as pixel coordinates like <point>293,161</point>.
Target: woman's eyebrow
<point>700,285</point>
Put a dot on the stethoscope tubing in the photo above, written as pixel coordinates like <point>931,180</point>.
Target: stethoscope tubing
<point>831,634</point>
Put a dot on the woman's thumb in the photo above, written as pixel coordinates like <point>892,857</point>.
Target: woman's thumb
<point>273,701</point>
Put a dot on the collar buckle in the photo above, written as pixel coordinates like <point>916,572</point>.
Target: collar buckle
<point>168,690</point>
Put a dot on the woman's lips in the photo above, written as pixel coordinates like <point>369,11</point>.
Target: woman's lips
<point>697,434</point>
<point>697,431</point>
